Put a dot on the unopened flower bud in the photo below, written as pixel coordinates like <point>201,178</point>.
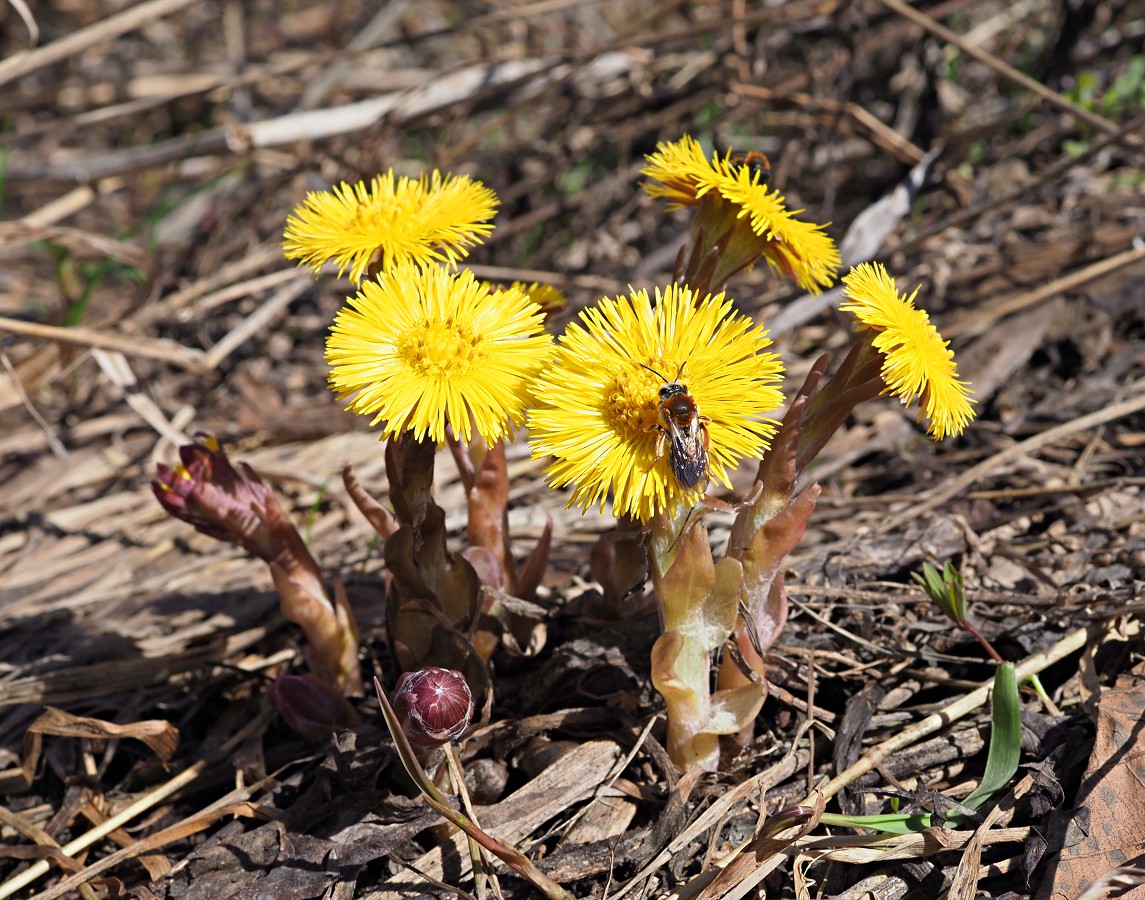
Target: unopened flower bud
<point>433,704</point>
<point>226,503</point>
<point>234,505</point>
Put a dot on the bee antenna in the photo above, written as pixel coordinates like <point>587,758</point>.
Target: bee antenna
<point>680,371</point>
<point>654,372</point>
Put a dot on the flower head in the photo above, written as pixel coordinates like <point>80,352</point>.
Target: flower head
<point>433,704</point>
<point>918,363</point>
<point>423,348</point>
<point>433,218</point>
<point>680,172</point>
<point>599,407</point>
<point>234,505</point>
<point>548,298</point>
<point>206,491</point>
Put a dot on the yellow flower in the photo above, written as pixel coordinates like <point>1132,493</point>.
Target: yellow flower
<point>681,173</point>
<point>598,407</point>
<point>551,300</point>
<point>423,348</point>
<point>917,362</point>
<point>547,297</point>
<point>430,219</point>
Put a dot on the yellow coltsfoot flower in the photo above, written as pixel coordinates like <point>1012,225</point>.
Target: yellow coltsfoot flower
<point>732,191</point>
<point>434,218</point>
<point>423,348</point>
<point>598,403</point>
<point>549,298</point>
<point>918,363</point>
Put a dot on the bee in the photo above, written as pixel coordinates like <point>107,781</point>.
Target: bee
<point>757,165</point>
<point>684,430</point>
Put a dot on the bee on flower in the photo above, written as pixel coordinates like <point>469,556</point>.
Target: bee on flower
<point>614,425</point>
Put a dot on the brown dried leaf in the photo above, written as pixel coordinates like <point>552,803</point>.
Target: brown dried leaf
<point>764,853</point>
<point>1112,793</point>
<point>162,737</point>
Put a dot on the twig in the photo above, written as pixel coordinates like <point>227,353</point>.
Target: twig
<point>217,282</point>
<point>839,629</point>
<point>959,484</point>
<point>74,43</point>
<point>261,317</point>
<point>53,442</point>
<point>792,761</point>
<point>981,320</point>
<point>149,348</point>
<point>882,136</point>
<point>144,803</point>
<point>950,713</point>
<point>1006,71</point>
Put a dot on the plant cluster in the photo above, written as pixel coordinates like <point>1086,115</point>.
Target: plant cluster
<point>643,402</point>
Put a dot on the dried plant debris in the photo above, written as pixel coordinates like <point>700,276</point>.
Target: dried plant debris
<point>675,573</point>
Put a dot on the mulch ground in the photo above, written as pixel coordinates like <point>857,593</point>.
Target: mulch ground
<point>149,157</point>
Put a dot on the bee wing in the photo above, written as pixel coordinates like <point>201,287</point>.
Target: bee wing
<point>687,454</point>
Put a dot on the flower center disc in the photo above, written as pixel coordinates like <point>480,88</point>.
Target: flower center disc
<point>630,404</point>
<point>440,349</point>
<point>373,216</point>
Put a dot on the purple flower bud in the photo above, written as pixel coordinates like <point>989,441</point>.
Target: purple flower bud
<point>206,491</point>
<point>433,704</point>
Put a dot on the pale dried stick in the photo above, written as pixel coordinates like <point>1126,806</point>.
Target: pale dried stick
<point>38,836</point>
<point>259,319</point>
<point>29,21</point>
<point>237,291</point>
<point>249,263</point>
<point>59,209</point>
<point>149,348</point>
<point>1032,665</point>
<point>711,816</point>
<point>144,803</point>
<point>963,481</point>
<point>980,321</point>
<point>118,370</point>
<point>74,43</point>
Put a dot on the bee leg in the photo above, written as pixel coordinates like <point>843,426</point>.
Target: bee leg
<point>750,500</point>
<point>754,496</point>
<point>663,436</point>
